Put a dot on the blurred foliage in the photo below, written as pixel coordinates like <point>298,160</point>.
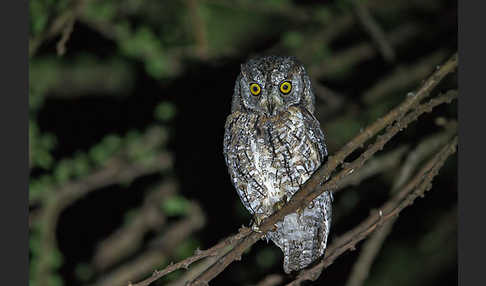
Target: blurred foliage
<point>175,206</point>
<point>267,258</point>
<point>127,56</point>
<point>186,248</point>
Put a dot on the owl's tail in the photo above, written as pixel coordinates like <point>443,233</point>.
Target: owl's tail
<point>302,236</point>
<point>300,254</point>
<point>300,241</point>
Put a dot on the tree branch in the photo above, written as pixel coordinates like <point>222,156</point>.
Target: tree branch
<point>63,24</point>
<point>390,210</point>
<point>153,256</point>
<point>373,245</point>
<point>315,186</point>
<point>198,255</point>
<point>129,236</point>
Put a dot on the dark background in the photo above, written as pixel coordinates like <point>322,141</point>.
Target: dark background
<point>131,66</point>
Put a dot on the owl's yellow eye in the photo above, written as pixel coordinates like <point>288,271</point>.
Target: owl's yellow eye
<point>255,89</point>
<point>285,87</point>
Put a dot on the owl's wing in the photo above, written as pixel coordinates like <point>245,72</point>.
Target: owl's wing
<point>233,159</point>
<point>316,134</point>
<point>326,198</point>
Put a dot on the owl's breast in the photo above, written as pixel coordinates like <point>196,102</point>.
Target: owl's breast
<point>270,158</point>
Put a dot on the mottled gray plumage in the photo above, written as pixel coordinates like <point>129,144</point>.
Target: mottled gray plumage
<point>272,145</point>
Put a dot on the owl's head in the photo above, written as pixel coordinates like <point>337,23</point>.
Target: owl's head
<point>271,84</point>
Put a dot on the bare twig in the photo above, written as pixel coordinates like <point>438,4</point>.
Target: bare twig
<point>379,164</point>
<point>333,100</point>
<point>405,197</point>
<point>199,254</point>
<point>375,166</point>
<point>403,77</point>
<point>66,33</point>
<point>129,237</point>
<point>361,52</point>
<point>376,32</point>
<point>197,268</point>
<point>63,24</point>
<point>157,255</point>
<point>372,246</point>
<point>198,29</point>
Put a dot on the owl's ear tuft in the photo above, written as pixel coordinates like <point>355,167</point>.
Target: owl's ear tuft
<point>308,99</point>
<point>243,71</point>
<point>236,104</point>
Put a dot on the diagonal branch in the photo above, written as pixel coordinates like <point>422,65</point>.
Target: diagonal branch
<point>396,120</point>
<point>421,183</point>
<point>153,256</point>
<point>373,245</point>
<point>199,254</point>
<point>314,187</point>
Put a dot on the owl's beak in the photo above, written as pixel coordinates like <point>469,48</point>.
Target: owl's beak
<point>272,104</point>
<point>271,107</point>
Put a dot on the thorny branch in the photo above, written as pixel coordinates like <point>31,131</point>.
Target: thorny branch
<point>372,245</point>
<point>198,255</point>
<point>421,183</point>
<point>394,121</point>
<point>314,188</point>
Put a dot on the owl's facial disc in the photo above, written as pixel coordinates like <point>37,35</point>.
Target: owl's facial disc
<point>270,85</point>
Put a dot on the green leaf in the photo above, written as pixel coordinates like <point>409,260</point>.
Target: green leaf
<point>157,67</point>
<point>39,187</point>
<point>63,171</point>
<point>165,111</point>
<point>81,164</point>
<point>175,206</point>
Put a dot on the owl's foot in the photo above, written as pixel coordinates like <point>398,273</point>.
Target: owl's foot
<point>257,220</point>
<point>278,205</point>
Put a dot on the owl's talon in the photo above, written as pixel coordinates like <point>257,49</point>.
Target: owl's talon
<point>255,228</point>
<point>280,204</point>
<point>257,220</point>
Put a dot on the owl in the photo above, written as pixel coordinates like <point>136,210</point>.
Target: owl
<point>272,145</point>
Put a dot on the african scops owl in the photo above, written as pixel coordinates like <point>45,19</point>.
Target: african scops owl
<point>272,144</point>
